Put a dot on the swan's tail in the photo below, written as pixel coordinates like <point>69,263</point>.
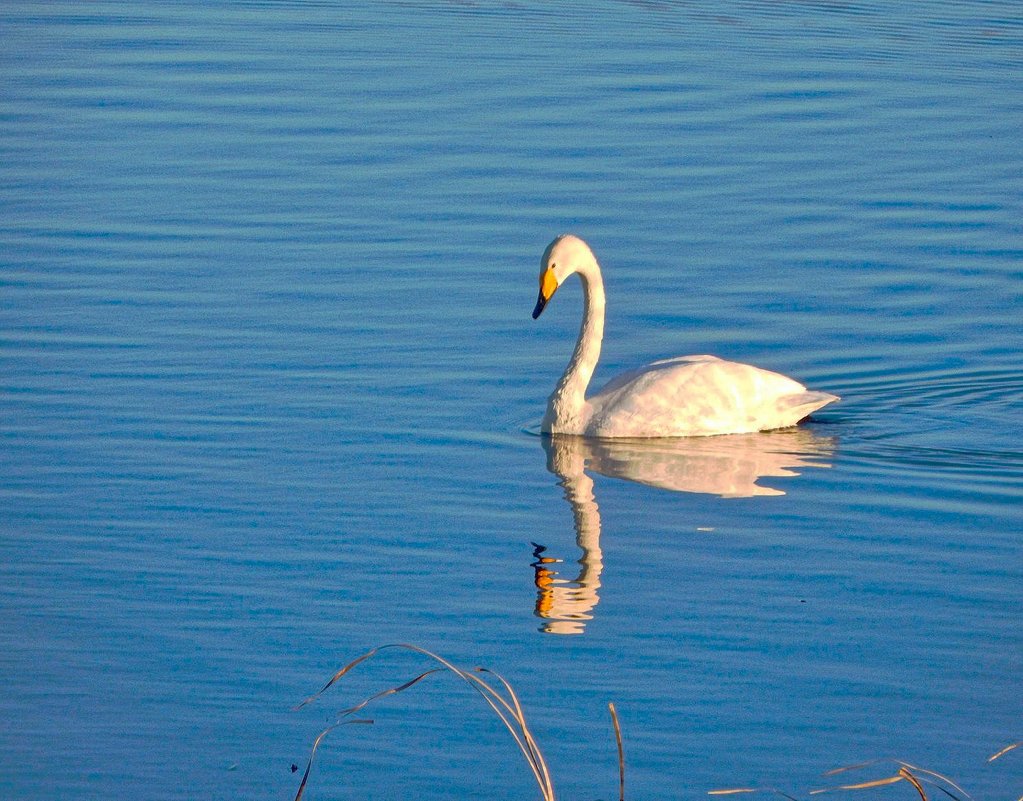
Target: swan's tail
<point>804,404</point>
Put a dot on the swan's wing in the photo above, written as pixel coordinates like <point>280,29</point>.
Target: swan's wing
<point>629,376</point>
<point>698,395</point>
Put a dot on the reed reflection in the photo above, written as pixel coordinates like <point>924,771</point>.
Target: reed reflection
<point>727,466</point>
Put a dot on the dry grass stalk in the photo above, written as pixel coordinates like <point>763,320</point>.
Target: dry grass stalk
<point>910,773</point>
<point>508,708</point>
<point>621,752</point>
<point>734,791</point>
<point>908,776</point>
<point>741,790</point>
<point>312,752</point>
<point>860,785</point>
<point>1005,750</point>
<point>506,705</point>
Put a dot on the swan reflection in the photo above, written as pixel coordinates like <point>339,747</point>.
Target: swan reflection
<point>726,466</point>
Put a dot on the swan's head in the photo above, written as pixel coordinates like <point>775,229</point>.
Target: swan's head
<point>565,255</point>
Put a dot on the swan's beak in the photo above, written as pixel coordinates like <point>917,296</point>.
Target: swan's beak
<point>548,286</point>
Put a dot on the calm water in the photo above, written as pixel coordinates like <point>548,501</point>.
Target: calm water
<point>269,387</point>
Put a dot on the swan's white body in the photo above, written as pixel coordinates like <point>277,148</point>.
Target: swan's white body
<point>681,397</point>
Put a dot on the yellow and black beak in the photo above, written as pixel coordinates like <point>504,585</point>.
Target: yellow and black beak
<point>548,286</point>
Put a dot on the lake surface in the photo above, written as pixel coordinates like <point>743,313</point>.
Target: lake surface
<point>269,394</point>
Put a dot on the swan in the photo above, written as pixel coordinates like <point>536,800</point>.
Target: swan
<point>680,397</point>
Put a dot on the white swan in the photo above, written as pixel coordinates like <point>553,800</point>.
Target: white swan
<point>680,397</point>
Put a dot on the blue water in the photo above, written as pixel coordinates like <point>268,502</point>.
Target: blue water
<point>269,389</point>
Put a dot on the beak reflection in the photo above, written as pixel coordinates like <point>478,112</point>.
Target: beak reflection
<point>728,466</point>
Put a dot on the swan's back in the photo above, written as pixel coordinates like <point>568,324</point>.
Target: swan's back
<point>699,395</point>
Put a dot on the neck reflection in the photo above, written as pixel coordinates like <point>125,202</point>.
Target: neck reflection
<point>727,466</point>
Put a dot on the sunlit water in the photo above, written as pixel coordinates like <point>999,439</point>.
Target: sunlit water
<point>269,390</point>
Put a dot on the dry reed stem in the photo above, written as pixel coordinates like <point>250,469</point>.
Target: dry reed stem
<point>621,752</point>
<point>857,766</point>
<point>740,790</point>
<point>1005,750</point>
<point>860,785</point>
<point>917,770</point>
<point>312,753</point>
<point>911,773</point>
<point>509,710</point>
<point>913,780</point>
<point>384,693</point>
<point>533,756</point>
<point>337,676</point>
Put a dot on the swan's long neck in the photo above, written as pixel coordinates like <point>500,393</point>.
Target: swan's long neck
<point>567,410</point>
<point>567,603</point>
